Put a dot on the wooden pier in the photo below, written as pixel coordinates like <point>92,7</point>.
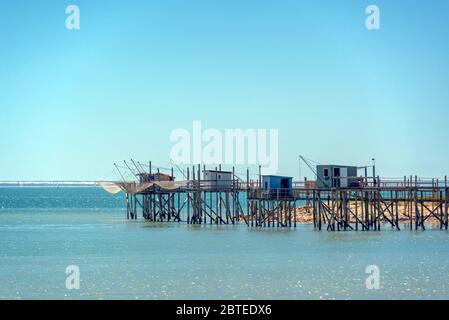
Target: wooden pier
<point>382,207</point>
<point>375,204</point>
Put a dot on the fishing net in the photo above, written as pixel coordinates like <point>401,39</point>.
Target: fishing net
<point>134,187</point>
<point>110,187</point>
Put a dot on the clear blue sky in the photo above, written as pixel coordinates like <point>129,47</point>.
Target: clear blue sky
<point>74,102</point>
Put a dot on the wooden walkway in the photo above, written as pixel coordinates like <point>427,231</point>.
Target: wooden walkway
<point>375,203</point>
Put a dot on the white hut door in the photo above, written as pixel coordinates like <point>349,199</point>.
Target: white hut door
<point>344,177</point>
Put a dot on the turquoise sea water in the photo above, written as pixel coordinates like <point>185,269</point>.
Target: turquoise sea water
<point>43,230</point>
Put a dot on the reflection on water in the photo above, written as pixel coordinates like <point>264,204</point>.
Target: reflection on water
<point>140,260</point>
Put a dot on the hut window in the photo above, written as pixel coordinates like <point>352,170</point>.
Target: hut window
<point>219,177</point>
<point>326,172</point>
<point>336,172</point>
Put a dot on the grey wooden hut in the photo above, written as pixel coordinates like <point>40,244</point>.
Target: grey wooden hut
<point>336,176</point>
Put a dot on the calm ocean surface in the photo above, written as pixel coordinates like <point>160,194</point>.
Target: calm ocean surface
<point>43,230</point>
